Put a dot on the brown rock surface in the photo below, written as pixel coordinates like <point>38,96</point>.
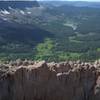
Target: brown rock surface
<point>49,81</point>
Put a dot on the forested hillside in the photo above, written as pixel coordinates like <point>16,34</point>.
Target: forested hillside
<point>49,31</point>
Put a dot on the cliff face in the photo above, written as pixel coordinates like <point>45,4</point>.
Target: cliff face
<point>50,81</point>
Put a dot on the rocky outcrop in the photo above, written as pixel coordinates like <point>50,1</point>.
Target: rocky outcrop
<point>30,80</point>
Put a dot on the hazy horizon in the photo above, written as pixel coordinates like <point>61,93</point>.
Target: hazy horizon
<point>55,0</point>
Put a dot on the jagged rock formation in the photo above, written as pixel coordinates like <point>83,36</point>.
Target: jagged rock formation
<point>30,80</point>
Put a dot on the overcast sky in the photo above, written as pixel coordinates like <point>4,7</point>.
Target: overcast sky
<point>85,0</point>
<point>73,0</point>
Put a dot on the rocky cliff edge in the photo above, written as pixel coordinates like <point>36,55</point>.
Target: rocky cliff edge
<point>30,80</point>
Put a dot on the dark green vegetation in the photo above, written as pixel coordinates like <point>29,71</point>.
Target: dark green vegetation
<point>57,33</point>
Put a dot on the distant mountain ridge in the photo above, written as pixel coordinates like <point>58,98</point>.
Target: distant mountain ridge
<point>19,33</point>
<point>71,3</point>
<point>18,4</point>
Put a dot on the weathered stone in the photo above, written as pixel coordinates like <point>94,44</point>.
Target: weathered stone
<point>50,81</point>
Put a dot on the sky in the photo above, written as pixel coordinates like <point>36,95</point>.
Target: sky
<point>55,0</point>
<point>74,0</point>
<point>85,0</point>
